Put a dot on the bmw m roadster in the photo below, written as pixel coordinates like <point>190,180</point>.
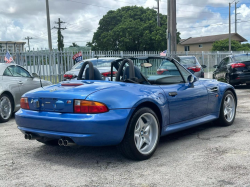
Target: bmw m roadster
<point>132,112</point>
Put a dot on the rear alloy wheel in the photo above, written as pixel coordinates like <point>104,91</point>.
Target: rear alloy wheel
<point>5,108</point>
<point>142,135</point>
<point>227,110</point>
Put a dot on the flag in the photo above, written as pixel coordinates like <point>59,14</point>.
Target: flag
<point>77,57</point>
<point>163,53</point>
<point>8,58</point>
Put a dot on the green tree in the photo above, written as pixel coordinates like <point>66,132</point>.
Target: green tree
<point>60,44</point>
<point>74,45</point>
<point>131,28</point>
<point>223,45</point>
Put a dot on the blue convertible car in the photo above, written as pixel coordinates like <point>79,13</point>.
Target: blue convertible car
<point>132,112</point>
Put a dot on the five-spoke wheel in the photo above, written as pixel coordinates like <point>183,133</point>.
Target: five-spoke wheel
<point>227,110</point>
<point>142,135</point>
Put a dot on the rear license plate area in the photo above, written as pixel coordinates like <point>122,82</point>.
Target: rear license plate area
<point>48,104</point>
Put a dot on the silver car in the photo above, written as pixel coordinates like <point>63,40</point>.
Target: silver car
<point>102,64</point>
<point>14,82</point>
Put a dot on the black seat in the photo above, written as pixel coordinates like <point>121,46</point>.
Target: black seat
<point>97,74</point>
<point>138,75</point>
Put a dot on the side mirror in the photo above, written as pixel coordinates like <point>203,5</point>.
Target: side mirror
<point>215,66</point>
<point>35,75</point>
<point>203,66</point>
<point>146,65</point>
<point>191,79</point>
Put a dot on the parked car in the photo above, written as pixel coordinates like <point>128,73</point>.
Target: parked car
<point>189,62</point>
<point>234,69</point>
<point>132,112</point>
<point>102,64</point>
<point>14,82</point>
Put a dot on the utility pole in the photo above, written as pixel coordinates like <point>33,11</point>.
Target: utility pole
<point>158,12</point>
<point>172,40</point>
<point>48,25</point>
<point>229,26</point>
<point>236,16</point>
<point>60,36</point>
<point>28,38</point>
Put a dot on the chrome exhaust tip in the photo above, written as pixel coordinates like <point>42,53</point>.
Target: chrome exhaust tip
<point>68,143</point>
<point>27,136</point>
<point>60,142</point>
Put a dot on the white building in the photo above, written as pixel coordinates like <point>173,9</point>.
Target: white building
<point>12,46</point>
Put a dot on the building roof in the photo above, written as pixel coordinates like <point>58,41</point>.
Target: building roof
<point>11,42</point>
<point>211,39</point>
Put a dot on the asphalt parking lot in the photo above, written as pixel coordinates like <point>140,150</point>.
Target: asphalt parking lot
<point>203,156</point>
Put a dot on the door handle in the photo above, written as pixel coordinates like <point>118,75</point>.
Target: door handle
<point>172,94</point>
<point>20,82</point>
<point>214,89</point>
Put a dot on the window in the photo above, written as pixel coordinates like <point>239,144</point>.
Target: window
<point>7,72</point>
<point>18,71</point>
<point>162,72</point>
<point>184,72</point>
<point>186,48</point>
<point>200,46</point>
<point>226,62</point>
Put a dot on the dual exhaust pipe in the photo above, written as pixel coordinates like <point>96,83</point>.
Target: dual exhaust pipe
<point>31,136</point>
<point>61,142</point>
<point>66,142</point>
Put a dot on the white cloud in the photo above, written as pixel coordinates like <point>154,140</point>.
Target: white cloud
<point>28,18</point>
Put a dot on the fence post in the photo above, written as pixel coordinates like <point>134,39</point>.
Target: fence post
<point>121,53</point>
<point>217,62</point>
<point>202,53</point>
<point>93,54</point>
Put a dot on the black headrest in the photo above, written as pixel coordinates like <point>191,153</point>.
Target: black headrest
<point>137,73</point>
<point>97,74</point>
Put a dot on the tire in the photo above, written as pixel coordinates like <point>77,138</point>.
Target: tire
<point>48,141</point>
<point>228,81</point>
<point>227,119</point>
<point>6,107</point>
<point>141,139</point>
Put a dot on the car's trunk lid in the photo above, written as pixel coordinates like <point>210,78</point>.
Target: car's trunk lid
<point>60,97</point>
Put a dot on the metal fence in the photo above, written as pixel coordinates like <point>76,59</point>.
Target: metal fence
<point>52,65</point>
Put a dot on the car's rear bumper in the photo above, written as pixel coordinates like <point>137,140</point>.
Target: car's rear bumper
<point>240,78</point>
<point>84,129</point>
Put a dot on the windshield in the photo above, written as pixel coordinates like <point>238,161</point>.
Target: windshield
<point>96,63</point>
<point>242,58</point>
<point>187,60</point>
<point>162,70</point>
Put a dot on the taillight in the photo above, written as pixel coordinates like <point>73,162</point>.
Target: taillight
<point>161,71</point>
<point>195,69</point>
<point>238,65</point>
<point>68,76</point>
<point>89,107</point>
<point>108,74</point>
<point>24,103</point>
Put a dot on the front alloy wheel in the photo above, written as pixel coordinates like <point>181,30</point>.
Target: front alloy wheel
<point>142,135</point>
<point>227,110</point>
<point>5,108</point>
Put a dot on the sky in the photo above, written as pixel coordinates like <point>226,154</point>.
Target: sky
<point>27,18</point>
